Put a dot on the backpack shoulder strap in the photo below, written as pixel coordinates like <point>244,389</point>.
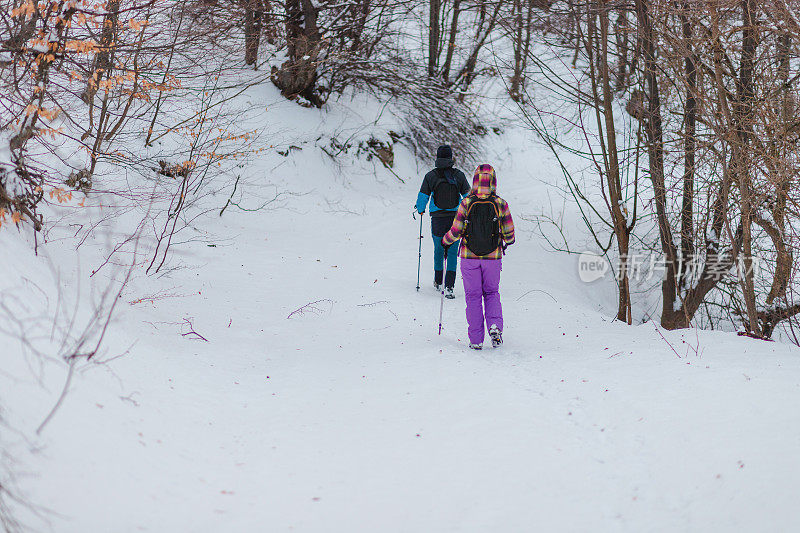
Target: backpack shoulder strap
<point>469,201</point>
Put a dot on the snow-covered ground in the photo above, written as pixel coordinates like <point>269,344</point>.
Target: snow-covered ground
<point>354,415</point>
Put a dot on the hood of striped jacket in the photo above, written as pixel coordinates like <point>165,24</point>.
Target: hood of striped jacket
<point>484,182</point>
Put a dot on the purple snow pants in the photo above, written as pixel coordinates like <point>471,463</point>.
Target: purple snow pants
<point>481,289</point>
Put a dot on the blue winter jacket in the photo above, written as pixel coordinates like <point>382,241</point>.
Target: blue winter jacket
<point>452,175</point>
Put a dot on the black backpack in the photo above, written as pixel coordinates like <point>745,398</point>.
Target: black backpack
<point>482,232</point>
<point>445,194</point>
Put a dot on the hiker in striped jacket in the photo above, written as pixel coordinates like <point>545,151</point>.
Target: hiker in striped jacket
<point>481,271</point>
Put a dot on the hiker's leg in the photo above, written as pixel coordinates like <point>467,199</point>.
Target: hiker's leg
<point>452,263</point>
<point>491,292</point>
<point>438,259</point>
<point>473,294</point>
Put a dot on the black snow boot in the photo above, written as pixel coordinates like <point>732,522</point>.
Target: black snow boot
<point>449,283</point>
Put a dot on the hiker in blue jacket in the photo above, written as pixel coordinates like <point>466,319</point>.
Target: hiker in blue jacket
<point>443,187</point>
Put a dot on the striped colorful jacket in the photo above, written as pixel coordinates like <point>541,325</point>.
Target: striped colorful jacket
<point>484,185</point>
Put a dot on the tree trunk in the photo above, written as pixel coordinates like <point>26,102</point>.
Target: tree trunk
<point>253,18</point>
<point>717,263</point>
<point>103,61</point>
<point>655,150</point>
<point>513,90</point>
<point>451,41</point>
<point>784,259</point>
<point>744,123</point>
<point>526,47</point>
<point>361,12</point>
<point>522,45</point>
<point>600,74</point>
<point>575,24</point>
<point>467,74</point>
<point>433,37</point>
<point>689,147</point>
<point>621,30</point>
<point>297,76</point>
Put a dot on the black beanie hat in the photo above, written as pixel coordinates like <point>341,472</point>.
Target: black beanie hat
<point>444,152</point>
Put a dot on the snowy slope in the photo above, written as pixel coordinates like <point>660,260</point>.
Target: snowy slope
<point>356,416</point>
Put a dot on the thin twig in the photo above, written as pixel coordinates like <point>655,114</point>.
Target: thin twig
<point>310,307</point>
<point>537,290</point>
<point>191,331</point>
<point>671,347</point>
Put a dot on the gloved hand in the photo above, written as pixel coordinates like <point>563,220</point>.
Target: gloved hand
<point>414,212</point>
<point>446,247</point>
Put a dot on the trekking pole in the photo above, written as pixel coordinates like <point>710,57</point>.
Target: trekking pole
<point>441,303</point>
<point>441,311</point>
<point>419,258</point>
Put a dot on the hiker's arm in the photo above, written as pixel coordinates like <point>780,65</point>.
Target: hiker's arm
<point>424,195</point>
<point>458,226</point>
<point>506,223</point>
<point>422,202</point>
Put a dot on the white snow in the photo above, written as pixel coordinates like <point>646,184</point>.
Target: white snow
<point>355,415</point>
